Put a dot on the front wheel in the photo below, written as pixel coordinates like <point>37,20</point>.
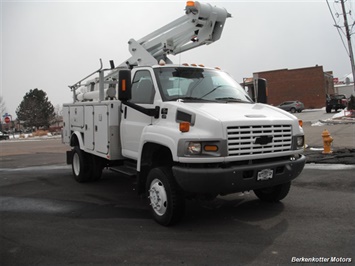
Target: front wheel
<point>273,194</point>
<point>166,202</point>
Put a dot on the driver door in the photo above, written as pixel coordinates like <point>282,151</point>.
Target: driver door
<point>133,122</point>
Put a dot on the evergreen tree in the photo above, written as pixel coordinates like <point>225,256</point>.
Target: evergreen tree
<point>35,110</point>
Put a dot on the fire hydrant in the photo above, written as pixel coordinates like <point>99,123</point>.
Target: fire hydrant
<point>327,142</point>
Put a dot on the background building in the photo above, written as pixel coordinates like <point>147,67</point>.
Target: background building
<point>308,85</point>
<point>345,86</point>
<point>345,89</point>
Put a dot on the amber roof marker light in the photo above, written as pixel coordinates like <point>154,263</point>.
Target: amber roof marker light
<point>190,3</point>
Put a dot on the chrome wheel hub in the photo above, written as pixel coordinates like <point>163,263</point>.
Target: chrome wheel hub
<point>76,164</point>
<point>158,197</point>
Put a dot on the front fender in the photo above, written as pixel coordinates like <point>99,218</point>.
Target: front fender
<point>150,135</point>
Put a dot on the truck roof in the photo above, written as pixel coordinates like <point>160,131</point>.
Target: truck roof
<point>163,65</point>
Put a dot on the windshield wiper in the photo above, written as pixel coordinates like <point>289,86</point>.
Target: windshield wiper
<point>231,99</point>
<point>208,93</point>
<point>188,98</point>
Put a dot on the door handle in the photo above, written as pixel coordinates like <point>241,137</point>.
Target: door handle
<point>125,112</point>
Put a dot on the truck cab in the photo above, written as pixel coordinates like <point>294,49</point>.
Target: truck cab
<point>336,102</point>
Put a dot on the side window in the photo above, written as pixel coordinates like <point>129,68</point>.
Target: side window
<point>142,88</point>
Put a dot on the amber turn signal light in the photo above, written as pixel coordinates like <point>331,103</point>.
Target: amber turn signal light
<point>300,122</point>
<point>210,148</point>
<point>184,126</point>
<point>123,85</point>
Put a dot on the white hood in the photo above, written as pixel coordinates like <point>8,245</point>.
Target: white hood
<point>242,113</point>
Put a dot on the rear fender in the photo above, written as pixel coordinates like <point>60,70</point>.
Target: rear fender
<point>76,139</point>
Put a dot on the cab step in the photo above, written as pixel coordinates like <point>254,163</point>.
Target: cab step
<point>128,168</point>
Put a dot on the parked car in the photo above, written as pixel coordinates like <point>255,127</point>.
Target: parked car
<point>292,106</point>
<point>335,102</point>
<point>4,136</point>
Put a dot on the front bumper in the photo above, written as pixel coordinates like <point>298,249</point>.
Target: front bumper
<point>235,178</point>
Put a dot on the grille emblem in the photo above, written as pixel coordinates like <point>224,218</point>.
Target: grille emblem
<point>263,140</point>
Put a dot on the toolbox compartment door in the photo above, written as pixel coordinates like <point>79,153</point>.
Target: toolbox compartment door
<point>89,127</point>
<point>101,129</point>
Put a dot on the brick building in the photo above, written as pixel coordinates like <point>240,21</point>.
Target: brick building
<point>308,85</point>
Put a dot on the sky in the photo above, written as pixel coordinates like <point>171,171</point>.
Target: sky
<point>50,45</point>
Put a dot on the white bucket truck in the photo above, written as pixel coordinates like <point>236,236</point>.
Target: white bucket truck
<point>184,131</point>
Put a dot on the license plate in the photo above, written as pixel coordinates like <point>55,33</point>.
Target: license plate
<point>265,174</point>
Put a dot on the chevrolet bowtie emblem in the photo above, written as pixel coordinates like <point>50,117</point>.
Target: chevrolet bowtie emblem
<point>263,140</point>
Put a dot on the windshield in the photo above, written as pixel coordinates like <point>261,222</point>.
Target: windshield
<point>199,84</point>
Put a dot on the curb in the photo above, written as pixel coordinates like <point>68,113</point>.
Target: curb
<point>340,156</point>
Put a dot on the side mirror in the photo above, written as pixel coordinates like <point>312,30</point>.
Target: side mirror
<point>124,85</point>
<point>262,91</point>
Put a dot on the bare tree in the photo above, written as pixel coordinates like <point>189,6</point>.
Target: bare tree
<point>58,110</point>
<point>2,106</point>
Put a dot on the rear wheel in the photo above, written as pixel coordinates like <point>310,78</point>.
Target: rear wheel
<point>293,110</point>
<point>166,202</point>
<point>273,194</point>
<point>97,165</point>
<point>81,165</point>
<point>328,109</point>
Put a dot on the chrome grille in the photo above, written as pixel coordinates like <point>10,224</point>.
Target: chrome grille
<point>242,140</point>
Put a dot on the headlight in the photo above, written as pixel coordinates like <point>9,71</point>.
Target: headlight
<point>299,142</point>
<point>194,148</point>
<point>202,148</point>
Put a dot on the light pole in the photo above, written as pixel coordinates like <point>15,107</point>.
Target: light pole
<point>348,37</point>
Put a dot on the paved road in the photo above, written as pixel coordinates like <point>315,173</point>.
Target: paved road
<point>32,152</point>
<point>49,219</point>
<point>314,115</point>
<point>342,133</point>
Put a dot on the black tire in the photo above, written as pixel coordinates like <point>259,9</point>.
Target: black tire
<point>328,110</point>
<point>97,165</point>
<point>81,166</point>
<point>273,194</point>
<point>293,110</point>
<point>166,202</point>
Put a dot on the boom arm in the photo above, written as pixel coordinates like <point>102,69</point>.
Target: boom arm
<point>202,24</point>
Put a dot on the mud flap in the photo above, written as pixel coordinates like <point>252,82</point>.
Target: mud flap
<point>69,155</point>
